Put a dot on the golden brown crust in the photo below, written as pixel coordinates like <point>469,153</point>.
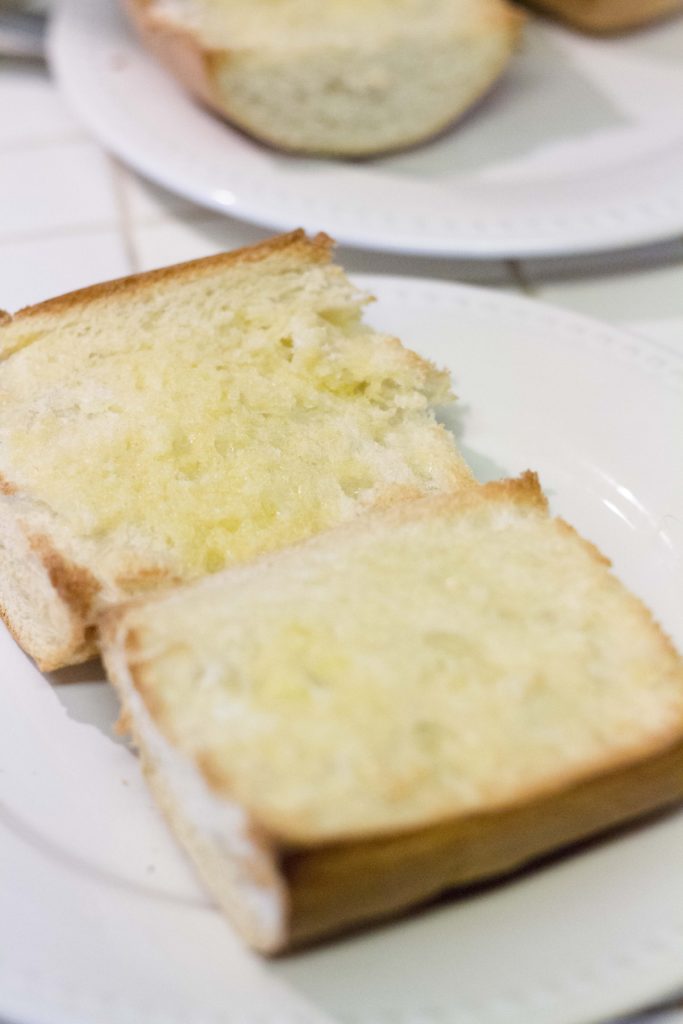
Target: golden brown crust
<point>123,726</point>
<point>132,645</point>
<point>108,624</point>
<point>604,16</point>
<point>345,885</point>
<point>77,589</point>
<point>7,487</point>
<point>79,646</point>
<point>314,250</point>
<point>73,589</point>
<point>146,577</point>
<point>30,568</point>
<point>76,586</point>
<point>524,491</point>
<point>215,776</point>
<point>594,552</point>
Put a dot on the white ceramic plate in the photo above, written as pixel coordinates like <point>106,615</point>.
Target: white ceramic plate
<point>579,148</point>
<point>101,919</point>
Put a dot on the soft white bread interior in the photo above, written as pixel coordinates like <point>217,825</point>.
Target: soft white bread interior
<point>163,426</point>
<point>344,77</point>
<point>428,696</point>
<point>603,16</point>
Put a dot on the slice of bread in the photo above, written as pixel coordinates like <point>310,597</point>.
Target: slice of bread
<point>163,426</point>
<point>343,77</point>
<point>426,697</point>
<point>603,16</point>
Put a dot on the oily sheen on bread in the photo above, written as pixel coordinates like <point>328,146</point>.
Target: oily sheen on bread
<point>343,77</point>
<point>163,426</point>
<point>608,15</point>
<point>429,696</point>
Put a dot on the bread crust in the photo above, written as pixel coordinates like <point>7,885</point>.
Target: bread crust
<point>316,249</point>
<point>343,886</point>
<point>199,69</point>
<point>76,586</point>
<point>33,572</point>
<point>7,488</point>
<point>605,16</point>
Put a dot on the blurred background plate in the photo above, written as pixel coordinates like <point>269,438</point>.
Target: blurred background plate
<point>101,918</point>
<point>579,148</point>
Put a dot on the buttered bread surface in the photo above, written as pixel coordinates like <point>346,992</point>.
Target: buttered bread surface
<point>429,696</point>
<point>427,661</point>
<point>168,426</point>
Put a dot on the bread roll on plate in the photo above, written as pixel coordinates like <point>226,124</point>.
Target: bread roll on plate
<point>342,77</point>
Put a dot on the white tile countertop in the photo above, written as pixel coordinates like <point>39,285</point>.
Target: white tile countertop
<point>71,215</point>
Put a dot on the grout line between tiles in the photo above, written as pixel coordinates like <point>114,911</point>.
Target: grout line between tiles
<point>519,277</point>
<point>189,215</point>
<point>199,216</point>
<point>44,142</point>
<point>125,223</point>
<point>65,231</point>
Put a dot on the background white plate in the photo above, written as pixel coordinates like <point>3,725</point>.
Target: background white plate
<point>579,148</point>
<point>101,919</point>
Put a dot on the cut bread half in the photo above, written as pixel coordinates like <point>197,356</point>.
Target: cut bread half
<point>345,77</point>
<point>163,426</point>
<point>602,16</point>
<point>424,698</point>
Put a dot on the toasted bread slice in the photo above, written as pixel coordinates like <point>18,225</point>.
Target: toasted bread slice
<point>345,77</point>
<point>163,426</point>
<point>429,696</point>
